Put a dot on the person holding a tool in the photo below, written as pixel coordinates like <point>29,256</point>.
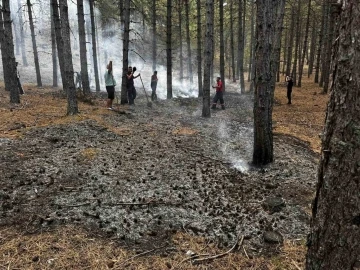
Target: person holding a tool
<point>130,84</point>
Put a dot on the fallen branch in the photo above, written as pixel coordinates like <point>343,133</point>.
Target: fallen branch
<point>190,258</point>
<point>141,254</point>
<point>294,263</point>
<point>222,254</point>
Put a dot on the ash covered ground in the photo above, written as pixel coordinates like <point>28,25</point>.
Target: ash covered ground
<point>157,171</point>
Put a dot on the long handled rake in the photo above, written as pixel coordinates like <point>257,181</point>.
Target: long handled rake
<point>149,104</point>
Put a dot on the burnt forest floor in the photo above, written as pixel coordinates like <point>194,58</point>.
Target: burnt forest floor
<point>144,187</point>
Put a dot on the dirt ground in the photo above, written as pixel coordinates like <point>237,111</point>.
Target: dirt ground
<point>155,187</point>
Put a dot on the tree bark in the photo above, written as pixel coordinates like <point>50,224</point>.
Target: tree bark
<point>72,107</point>
<point>59,40</point>
<point>291,42</point>
<point>265,71</point>
<point>126,40</point>
<point>312,48</point>
<point>305,48</point>
<point>169,49</point>
<point>333,242</point>
<point>241,47</point>
<point>232,48</point>
<point>93,37</point>
<point>325,42</point>
<point>199,48</point>
<point>180,39</point>
<point>22,35</point>
<point>251,41</point>
<point>327,65</point>
<point>33,39</point>
<point>189,58</point>
<point>53,49</point>
<point>320,46</point>
<point>16,32</point>
<point>154,34</point>
<point>82,43</point>
<point>297,42</point>
<point>222,49</point>
<point>8,54</point>
<point>208,56</point>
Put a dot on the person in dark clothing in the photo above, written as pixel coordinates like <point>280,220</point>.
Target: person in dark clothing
<point>219,94</point>
<point>154,80</point>
<point>290,84</point>
<point>130,84</point>
<point>21,90</point>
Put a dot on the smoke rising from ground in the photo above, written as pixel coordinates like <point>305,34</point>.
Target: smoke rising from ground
<point>109,48</point>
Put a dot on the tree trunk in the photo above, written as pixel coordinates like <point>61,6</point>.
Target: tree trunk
<point>3,51</point>
<point>285,49</point>
<point>208,56</point>
<point>251,58</point>
<point>320,46</point>
<point>82,43</point>
<point>265,67</point>
<point>291,42</point>
<point>222,49</point>
<point>8,54</point>
<point>333,242</point>
<point>241,47</point>
<point>297,42</point>
<point>305,48</point>
<point>154,34</point>
<point>22,35</point>
<point>126,40</point>
<point>180,39</point>
<point>33,39</point>
<point>199,49</point>
<point>312,48</point>
<point>253,44</point>
<point>277,39</point>
<point>16,32</point>
<point>59,41</point>
<point>232,49</point>
<point>168,49</point>
<point>189,58</point>
<point>327,65</point>
<point>72,107</point>
<point>325,42</point>
<point>53,49</point>
<point>93,37</point>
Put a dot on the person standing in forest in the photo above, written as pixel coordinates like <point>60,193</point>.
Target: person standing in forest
<point>110,85</point>
<point>290,84</point>
<point>154,80</point>
<point>219,94</point>
<point>130,85</point>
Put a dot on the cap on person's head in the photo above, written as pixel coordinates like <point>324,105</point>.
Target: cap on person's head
<point>218,78</point>
<point>155,72</point>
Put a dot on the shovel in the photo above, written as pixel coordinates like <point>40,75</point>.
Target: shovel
<point>149,104</point>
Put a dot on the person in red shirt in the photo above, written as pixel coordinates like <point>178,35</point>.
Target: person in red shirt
<point>219,94</point>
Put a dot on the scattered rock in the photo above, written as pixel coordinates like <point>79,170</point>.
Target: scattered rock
<point>273,204</point>
<point>273,237</point>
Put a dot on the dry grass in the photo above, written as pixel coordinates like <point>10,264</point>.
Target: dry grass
<point>304,118</point>
<point>184,131</point>
<point>70,247</point>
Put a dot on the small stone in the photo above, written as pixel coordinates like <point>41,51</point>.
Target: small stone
<point>273,204</point>
<point>273,237</point>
